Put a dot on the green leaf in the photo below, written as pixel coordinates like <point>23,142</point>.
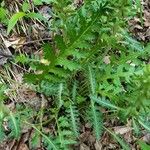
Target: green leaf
<point>48,140</point>
<point>68,64</point>
<point>145,125</point>
<point>65,135</point>
<point>2,92</point>
<point>103,102</point>
<point>74,91</point>
<point>49,53</point>
<point>35,140</point>
<point>60,90</point>
<point>15,126</point>
<point>2,133</point>
<point>3,15</point>
<point>22,59</point>
<point>135,127</point>
<point>14,19</point>
<point>74,119</point>
<point>92,80</point>
<point>60,43</point>
<point>37,2</point>
<point>124,145</point>
<point>95,118</point>
<point>34,15</point>
<point>25,6</point>
<point>144,146</point>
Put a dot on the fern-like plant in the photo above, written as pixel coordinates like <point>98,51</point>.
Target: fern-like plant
<point>91,63</point>
<point>65,135</point>
<point>82,36</point>
<point>95,116</point>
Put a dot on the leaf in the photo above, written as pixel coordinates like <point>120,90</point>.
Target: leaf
<point>34,15</point>
<point>92,80</point>
<point>95,118</point>
<point>49,53</point>
<point>25,6</point>
<point>2,133</point>
<point>3,15</point>
<point>73,115</point>
<point>65,135</point>
<point>37,2</point>
<point>48,140</point>
<point>146,126</point>
<point>35,140</point>
<point>135,45</point>
<point>68,64</point>
<point>144,146</point>
<point>60,43</point>
<point>14,19</point>
<point>135,127</point>
<point>74,91</point>
<point>15,126</point>
<point>103,102</point>
<point>124,145</point>
<point>2,93</point>
<point>60,90</point>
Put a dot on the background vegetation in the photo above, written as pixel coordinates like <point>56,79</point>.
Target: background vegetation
<point>86,72</point>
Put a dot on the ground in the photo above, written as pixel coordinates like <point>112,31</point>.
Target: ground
<point>29,42</point>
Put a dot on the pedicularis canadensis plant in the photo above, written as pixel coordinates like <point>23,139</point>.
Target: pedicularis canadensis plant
<point>91,63</point>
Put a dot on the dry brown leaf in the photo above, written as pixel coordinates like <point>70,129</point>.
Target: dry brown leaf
<point>16,42</point>
<point>141,36</point>
<point>98,145</point>
<point>146,18</point>
<point>88,125</point>
<point>147,34</point>
<point>84,147</point>
<point>84,136</point>
<point>122,130</point>
<point>23,147</point>
<point>138,27</point>
<point>146,138</point>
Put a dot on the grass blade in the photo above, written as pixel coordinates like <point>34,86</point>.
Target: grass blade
<point>14,19</point>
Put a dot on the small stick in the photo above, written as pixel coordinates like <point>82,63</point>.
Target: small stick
<point>30,42</point>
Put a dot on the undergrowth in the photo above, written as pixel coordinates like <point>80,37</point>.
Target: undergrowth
<point>92,64</point>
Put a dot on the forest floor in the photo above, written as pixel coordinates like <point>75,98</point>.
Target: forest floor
<point>29,43</point>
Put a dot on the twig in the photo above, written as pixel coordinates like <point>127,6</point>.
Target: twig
<point>30,42</point>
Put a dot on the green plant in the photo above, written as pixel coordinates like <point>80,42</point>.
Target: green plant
<point>87,36</point>
<point>13,120</point>
<point>92,63</point>
<point>78,40</point>
<point>144,146</point>
<point>3,14</point>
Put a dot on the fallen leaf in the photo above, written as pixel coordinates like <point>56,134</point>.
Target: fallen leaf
<point>122,130</point>
<point>84,147</point>
<point>146,138</point>
<point>16,42</point>
<point>23,147</point>
<point>138,27</point>
<point>98,145</point>
<point>147,18</point>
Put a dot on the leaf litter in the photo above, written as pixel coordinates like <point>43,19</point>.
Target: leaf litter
<point>25,94</point>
